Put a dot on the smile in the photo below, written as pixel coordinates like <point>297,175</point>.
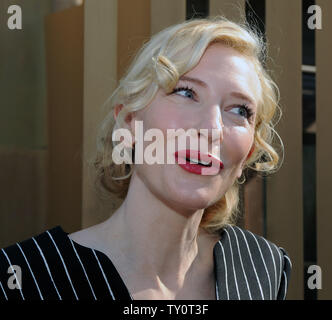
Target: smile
<point>198,163</point>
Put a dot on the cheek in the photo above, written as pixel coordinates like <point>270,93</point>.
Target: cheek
<point>236,144</point>
<point>162,117</point>
<point>165,117</point>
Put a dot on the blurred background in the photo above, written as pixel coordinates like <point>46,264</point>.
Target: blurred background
<point>58,70</point>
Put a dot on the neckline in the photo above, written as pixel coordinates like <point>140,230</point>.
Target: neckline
<point>108,260</point>
<point>105,259</point>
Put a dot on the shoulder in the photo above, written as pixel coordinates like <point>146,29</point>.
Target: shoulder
<point>51,266</point>
<point>260,263</point>
<point>33,268</point>
<point>48,243</point>
<point>253,243</point>
<point>25,263</point>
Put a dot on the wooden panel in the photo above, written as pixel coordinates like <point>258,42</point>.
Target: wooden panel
<point>323,148</point>
<point>232,9</point>
<point>22,76</point>
<point>58,5</point>
<point>284,189</point>
<point>254,205</point>
<point>64,60</point>
<point>133,30</point>
<point>23,194</point>
<point>100,79</point>
<point>166,13</point>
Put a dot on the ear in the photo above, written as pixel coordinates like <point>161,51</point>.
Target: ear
<point>116,111</point>
<point>239,174</point>
<point>129,120</point>
<point>251,151</point>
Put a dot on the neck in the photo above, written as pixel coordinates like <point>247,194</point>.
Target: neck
<point>160,241</point>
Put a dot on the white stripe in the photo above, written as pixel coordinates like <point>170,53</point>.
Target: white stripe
<point>226,278</point>
<point>83,268</point>
<point>33,276</point>
<point>48,269</point>
<point>253,265</point>
<point>10,265</point>
<point>275,269</point>
<point>64,265</point>
<point>268,275</point>
<point>290,262</point>
<point>3,290</point>
<point>285,285</point>
<point>108,286</point>
<point>230,246</point>
<point>280,258</point>
<point>244,273</point>
<point>217,291</point>
<point>306,68</point>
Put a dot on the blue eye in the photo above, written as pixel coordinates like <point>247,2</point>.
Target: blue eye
<point>187,92</point>
<point>244,111</point>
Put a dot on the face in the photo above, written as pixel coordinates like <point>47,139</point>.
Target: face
<point>220,94</point>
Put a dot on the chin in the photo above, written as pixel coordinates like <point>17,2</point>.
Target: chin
<point>191,199</point>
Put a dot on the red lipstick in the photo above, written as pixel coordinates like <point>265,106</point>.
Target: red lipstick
<point>198,163</point>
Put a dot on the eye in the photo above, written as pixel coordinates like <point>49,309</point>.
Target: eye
<point>244,111</point>
<point>185,92</point>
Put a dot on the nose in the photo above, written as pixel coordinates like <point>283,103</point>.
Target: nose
<point>211,120</point>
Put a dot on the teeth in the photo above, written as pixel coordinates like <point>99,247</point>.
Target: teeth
<point>199,162</point>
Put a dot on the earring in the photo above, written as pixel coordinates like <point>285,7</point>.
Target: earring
<point>133,153</point>
<point>243,180</point>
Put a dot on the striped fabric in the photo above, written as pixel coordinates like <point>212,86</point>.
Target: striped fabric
<point>248,267</point>
<point>53,267</point>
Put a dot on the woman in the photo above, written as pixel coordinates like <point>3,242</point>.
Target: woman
<point>172,237</point>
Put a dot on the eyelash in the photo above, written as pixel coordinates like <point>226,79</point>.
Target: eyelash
<point>248,110</point>
<point>192,91</point>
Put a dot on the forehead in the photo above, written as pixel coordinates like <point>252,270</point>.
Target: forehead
<point>225,68</point>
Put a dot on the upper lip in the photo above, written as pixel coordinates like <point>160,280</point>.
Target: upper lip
<point>195,154</point>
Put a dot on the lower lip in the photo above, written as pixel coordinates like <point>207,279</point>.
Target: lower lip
<point>192,167</point>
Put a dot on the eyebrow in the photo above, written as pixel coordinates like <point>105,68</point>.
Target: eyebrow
<point>195,80</point>
<point>233,94</point>
<point>242,96</point>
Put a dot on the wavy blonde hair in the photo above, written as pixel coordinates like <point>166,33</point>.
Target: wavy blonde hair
<point>158,65</point>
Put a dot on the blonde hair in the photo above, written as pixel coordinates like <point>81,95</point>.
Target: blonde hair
<point>159,64</point>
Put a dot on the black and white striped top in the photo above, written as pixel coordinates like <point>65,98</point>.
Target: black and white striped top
<point>53,267</point>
